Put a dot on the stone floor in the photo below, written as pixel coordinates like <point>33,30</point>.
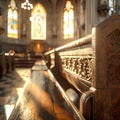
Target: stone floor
<point>38,98</point>
<point>8,92</point>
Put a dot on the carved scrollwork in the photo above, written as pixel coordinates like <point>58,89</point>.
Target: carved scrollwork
<point>81,65</point>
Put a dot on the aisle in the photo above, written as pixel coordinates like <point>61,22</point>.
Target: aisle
<point>10,84</point>
<point>39,99</point>
<point>42,101</point>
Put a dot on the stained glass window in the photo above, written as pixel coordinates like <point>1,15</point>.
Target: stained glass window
<point>114,6</point>
<point>68,24</point>
<point>38,23</point>
<point>12,30</point>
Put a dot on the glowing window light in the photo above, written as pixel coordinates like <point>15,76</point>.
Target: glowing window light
<point>8,110</point>
<point>12,28</point>
<point>68,24</point>
<point>38,23</point>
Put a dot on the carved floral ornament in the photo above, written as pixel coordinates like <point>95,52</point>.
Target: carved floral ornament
<point>81,65</point>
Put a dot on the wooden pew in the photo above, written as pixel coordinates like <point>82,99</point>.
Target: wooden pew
<point>92,66</point>
<point>8,62</point>
<point>40,67</point>
<point>73,66</point>
<point>26,60</point>
<point>12,57</point>
<point>3,69</point>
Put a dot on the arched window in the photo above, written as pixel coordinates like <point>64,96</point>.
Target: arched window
<point>38,23</point>
<point>68,24</point>
<point>12,30</point>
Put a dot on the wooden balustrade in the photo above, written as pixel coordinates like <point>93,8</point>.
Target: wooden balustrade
<point>91,65</point>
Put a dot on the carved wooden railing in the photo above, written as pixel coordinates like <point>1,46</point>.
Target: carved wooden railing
<point>75,62</point>
<point>74,59</point>
<point>91,65</point>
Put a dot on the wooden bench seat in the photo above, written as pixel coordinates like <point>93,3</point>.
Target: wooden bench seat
<point>91,65</point>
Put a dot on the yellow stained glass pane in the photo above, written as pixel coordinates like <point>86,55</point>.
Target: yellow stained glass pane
<point>66,15</point>
<point>68,24</point>
<point>38,23</point>
<point>71,14</point>
<point>12,28</point>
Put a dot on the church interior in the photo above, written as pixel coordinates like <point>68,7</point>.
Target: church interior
<point>59,60</point>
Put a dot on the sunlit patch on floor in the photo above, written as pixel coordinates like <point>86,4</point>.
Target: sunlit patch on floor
<point>8,110</point>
